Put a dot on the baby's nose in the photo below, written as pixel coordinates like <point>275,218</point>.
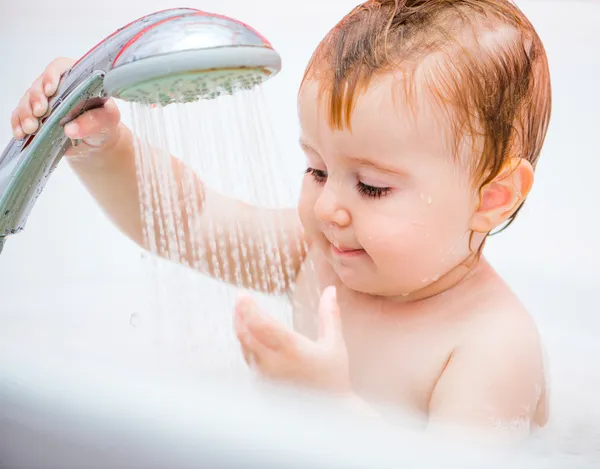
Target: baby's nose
<point>330,209</point>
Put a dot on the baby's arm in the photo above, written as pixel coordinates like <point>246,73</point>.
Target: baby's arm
<point>494,381</point>
<point>105,163</point>
<point>237,230</point>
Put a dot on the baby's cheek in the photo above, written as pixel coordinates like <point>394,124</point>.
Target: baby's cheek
<point>419,241</point>
<point>446,239</point>
<point>395,236</point>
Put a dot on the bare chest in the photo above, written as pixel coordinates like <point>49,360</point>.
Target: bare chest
<point>395,357</point>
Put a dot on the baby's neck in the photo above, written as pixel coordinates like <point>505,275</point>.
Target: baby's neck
<point>456,278</point>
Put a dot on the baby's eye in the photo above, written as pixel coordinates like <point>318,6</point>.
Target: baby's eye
<point>317,174</point>
<point>372,191</point>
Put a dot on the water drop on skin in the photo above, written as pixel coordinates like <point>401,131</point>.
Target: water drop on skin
<point>429,200</point>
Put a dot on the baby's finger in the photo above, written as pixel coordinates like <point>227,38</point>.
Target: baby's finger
<point>242,334</point>
<point>54,71</point>
<point>248,355</point>
<point>330,325</point>
<point>37,99</point>
<point>27,122</point>
<point>255,354</point>
<point>263,327</point>
<point>269,363</point>
<point>97,122</point>
<point>15,123</point>
<point>248,358</point>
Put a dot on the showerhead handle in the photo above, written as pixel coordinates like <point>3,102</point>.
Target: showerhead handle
<point>25,165</point>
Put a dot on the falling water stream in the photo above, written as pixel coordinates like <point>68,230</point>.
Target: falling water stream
<point>216,226</point>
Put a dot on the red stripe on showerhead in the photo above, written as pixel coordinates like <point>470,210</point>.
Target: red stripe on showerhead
<point>143,31</point>
<point>198,13</point>
<point>124,27</point>
<point>140,34</point>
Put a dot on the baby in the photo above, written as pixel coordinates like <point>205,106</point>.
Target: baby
<point>422,122</point>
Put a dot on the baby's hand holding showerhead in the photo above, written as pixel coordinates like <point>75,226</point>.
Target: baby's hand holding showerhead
<point>94,130</point>
<point>34,103</point>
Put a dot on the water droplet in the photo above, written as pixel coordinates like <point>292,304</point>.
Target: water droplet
<point>134,319</point>
<point>429,200</point>
<point>436,277</point>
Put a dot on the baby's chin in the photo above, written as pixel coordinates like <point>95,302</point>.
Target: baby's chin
<point>372,284</point>
<point>369,284</point>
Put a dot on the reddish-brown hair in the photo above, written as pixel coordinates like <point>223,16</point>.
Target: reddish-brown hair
<point>481,59</point>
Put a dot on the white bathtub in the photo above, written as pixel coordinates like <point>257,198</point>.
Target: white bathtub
<point>91,389</point>
<point>74,413</point>
<point>80,379</point>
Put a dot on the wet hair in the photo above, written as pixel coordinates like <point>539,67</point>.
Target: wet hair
<point>481,60</point>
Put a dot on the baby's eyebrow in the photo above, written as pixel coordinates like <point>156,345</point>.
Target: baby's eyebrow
<point>358,160</point>
<point>306,146</point>
<point>390,169</point>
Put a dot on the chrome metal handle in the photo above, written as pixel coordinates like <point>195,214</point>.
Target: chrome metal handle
<point>43,153</point>
<point>25,165</point>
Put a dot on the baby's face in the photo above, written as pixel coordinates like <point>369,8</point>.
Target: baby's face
<point>386,202</point>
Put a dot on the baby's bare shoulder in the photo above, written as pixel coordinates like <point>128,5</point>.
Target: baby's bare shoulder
<point>506,336</point>
<point>499,322</point>
<point>493,315</point>
<point>496,371</point>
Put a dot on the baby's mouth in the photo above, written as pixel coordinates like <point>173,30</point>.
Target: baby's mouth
<point>345,251</point>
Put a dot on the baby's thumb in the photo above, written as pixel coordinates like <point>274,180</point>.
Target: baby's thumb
<point>95,128</point>
<point>330,324</point>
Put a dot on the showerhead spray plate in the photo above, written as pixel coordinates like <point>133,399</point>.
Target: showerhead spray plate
<point>198,56</point>
<point>191,75</point>
<point>192,86</point>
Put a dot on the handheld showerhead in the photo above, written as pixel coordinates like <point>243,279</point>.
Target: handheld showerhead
<point>197,56</point>
<point>176,55</point>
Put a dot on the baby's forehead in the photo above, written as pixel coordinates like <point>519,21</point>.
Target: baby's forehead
<point>388,111</point>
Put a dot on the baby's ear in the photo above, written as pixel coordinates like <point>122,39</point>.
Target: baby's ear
<point>501,197</point>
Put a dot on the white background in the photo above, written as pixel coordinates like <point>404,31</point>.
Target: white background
<point>70,271</point>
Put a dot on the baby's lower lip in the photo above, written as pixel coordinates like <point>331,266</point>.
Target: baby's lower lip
<point>346,252</point>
